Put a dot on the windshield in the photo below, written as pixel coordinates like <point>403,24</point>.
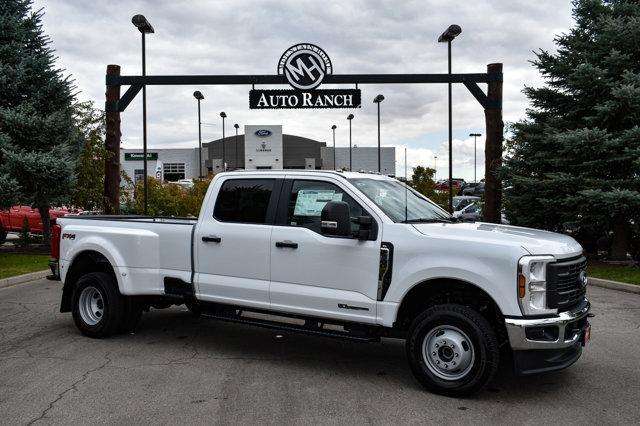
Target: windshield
<point>392,197</point>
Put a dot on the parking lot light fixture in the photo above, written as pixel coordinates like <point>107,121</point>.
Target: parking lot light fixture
<point>198,95</point>
<point>475,136</point>
<point>447,37</point>
<point>350,117</point>
<point>236,126</point>
<point>378,100</point>
<point>141,23</point>
<point>334,127</point>
<point>224,163</point>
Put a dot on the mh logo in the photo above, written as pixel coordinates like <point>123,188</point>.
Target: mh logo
<point>304,65</point>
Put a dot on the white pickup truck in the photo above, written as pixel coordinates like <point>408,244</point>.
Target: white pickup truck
<point>350,255</point>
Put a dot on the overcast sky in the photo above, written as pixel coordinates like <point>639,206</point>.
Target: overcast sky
<point>248,37</point>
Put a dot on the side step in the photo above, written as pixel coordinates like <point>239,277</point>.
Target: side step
<point>292,327</point>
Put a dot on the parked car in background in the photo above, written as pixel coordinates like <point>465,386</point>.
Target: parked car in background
<point>12,219</point>
<point>473,213</point>
<point>474,189</point>
<point>458,184</point>
<point>462,201</point>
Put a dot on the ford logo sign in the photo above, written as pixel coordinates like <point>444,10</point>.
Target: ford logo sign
<point>263,133</point>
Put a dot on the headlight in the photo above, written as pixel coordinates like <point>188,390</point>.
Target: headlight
<point>532,285</point>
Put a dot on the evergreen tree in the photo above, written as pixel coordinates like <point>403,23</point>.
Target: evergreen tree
<point>37,134</point>
<point>574,163</point>
<point>88,192</point>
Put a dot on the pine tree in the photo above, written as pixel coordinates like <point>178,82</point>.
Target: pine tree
<point>37,135</point>
<point>574,164</point>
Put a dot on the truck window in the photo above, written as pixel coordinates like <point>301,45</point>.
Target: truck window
<point>307,199</point>
<point>244,200</point>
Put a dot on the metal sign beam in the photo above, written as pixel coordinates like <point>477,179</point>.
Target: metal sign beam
<point>136,82</point>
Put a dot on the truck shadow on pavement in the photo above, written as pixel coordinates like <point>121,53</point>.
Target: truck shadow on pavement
<point>186,339</point>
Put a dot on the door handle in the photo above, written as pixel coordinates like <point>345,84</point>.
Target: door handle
<point>211,239</point>
<point>286,244</point>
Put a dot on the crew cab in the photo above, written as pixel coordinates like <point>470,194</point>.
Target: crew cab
<point>347,255</point>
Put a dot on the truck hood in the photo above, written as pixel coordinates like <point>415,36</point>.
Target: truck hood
<point>534,241</point>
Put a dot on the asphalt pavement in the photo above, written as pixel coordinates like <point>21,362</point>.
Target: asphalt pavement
<point>180,369</point>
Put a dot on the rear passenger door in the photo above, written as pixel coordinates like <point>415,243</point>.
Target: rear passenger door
<point>232,246</point>
<point>318,275</point>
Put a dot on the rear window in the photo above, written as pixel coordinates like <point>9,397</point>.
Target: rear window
<point>244,200</point>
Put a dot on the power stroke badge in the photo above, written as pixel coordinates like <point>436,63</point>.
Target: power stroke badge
<point>304,66</point>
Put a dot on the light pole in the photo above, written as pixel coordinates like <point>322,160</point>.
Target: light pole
<point>334,127</point>
<point>224,164</point>
<point>141,23</point>
<point>198,95</point>
<point>435,166</point>
<point>377,100</point>
<point>447,37</point>
<point>475,135</point>
<point>350,117</point>
<point>236,127</point>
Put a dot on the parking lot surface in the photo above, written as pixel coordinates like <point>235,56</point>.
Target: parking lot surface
<point>177,368</point>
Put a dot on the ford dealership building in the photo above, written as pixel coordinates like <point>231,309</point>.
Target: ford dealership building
<point>260,147</point>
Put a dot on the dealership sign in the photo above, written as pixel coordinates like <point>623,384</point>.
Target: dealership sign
<point>304,66</point>
<point>139,156</point>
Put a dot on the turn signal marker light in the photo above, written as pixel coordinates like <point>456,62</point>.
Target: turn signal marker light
<point>521,286</point>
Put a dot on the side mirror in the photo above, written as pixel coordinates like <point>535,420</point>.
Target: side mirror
<point>336,219</point>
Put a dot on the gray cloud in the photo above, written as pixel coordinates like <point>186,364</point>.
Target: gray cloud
<point>248,37</point>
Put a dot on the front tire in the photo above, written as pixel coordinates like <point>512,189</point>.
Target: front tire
<point>98,307</point>
<point>452,350</point>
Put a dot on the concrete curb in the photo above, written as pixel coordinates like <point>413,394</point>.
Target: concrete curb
<point>615,285</point>
<point>19,279</point>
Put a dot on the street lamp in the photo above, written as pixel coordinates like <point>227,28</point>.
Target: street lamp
<point>198,95</point>
<point>350,117</point>
<point>236,127</point>
<point>334,127</point>
<point>435,166</point>
<point>141,23</point>
<point>475,135</point>
<point>447,37</point>
<point>224,164</point>
<point>378,99</point>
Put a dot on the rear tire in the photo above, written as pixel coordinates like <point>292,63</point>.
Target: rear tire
<point>98,307</point>
<point>3,235</point>
<point>452,350</point>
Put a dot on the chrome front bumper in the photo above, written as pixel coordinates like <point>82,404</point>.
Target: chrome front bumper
<point>516,330</point>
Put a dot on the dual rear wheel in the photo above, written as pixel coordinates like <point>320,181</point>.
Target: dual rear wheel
<point>99,310</point>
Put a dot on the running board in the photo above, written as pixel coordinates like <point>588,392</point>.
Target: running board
<point>292,327</point>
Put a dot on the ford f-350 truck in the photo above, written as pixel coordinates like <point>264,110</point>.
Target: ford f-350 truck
<point>350,255</point>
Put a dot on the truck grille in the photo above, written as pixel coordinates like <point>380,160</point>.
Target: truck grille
<point>565,289</point>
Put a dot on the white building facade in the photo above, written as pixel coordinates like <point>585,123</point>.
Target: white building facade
<point>167,164</point>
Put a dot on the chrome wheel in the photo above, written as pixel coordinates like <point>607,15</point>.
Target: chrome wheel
<point>448,353</point>
<point>91,305</point>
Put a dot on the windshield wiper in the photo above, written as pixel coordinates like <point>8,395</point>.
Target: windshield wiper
<point>426,220</point>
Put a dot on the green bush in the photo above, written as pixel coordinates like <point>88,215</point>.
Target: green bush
<point>169,199</point>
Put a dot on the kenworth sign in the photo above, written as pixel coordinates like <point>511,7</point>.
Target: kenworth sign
<point>304,66</point>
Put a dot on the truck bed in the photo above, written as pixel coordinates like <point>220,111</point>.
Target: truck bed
<point>143,250</point>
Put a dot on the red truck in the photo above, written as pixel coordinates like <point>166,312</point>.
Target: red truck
<point>12,219</point>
